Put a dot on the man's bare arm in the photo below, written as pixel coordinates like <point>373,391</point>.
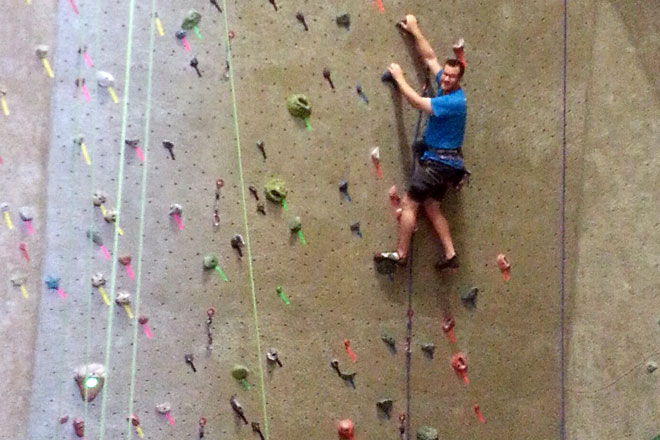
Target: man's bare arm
<point>424,48</point>
<point>419,102</point>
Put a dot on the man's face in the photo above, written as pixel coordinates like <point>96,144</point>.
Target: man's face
<point>450,78</point>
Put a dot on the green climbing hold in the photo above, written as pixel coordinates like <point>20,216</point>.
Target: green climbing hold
<point>275,190</point>
<point>427,433</point>
<point>239,372</point>
<point>388,339</point>
<point>469,294</point>
<point>191,20</point>
<point>210,261</point>
<point>295,224</point>
<point>299,106</point>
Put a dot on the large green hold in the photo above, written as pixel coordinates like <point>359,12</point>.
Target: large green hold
<point>239,372</point>
<point>427,433</point>
<point>210,261</point>
<point>275,190</point>
<point>192,19</point>
<point>299,106</point>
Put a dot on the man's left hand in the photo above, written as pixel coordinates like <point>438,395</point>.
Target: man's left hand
<point>396,72</point>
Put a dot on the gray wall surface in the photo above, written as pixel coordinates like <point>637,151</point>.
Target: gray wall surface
<point>514,147</point>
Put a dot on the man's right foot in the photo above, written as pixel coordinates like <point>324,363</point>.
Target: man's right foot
<point>389,256</point>
<point>451,263</point>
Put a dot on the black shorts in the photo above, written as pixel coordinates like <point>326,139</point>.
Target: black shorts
<point>432,179</point>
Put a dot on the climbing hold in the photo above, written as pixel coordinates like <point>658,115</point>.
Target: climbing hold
<point>385,405</point>
<point>343,188</point>
<point>180,34</point>
<point>326,75</point>
<point>99,198</point>
<point>125,260</point>
<point>459,363</point>
<point>105,79</point>
<point>210,261</point>
<point>90,379</point>
<point>95,237</point>
<point>239,372</point>
<point>52,283</point>
<point>469,295</point>
<point>427,433</point>
<point>273,356</point>
<point>349,377</point>
<point>428,349</point>
<point>164,408</point>
<point>79,427</point>
<point>344,20</point>
<point>299,106</point>
<point>191,19</point>
<point>301,18</point>
<point>261,208</point>
<point>123,298</point>
<point>295,224</point>
<point>275,190</point>
<point>504,265</point>
<point>26,214</point>
<point>355,227</point>
<point>651,366</point>
<point>98,280</point>
<point>175,208</point>
<point>110,216</point>
<point>64,419</point>
<point>42,51</point>
<point>18,279</point>
<point>389,340</point>
<point>238,243</point>
<point>346,429</point>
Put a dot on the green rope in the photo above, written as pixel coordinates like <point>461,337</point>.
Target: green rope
<point>120,184</point>
<point>143,198</point>
<point>74,163</point>
<point>245,220</point>
<point>90,243</point>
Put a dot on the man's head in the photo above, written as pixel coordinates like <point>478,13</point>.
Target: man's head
<point>452,72</point>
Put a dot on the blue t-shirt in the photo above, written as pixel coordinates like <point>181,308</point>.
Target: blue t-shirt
<point>445,128</point>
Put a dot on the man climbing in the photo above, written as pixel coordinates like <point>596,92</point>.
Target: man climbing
<point>441,161</point>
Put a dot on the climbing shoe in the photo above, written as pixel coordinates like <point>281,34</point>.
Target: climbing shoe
<point>451,263</point>
<point>389,256</point>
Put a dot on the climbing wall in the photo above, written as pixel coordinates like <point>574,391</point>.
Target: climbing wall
<point>330,290</point>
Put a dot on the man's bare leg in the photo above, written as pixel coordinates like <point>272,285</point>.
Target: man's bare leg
<point>441,226</point>
<point>407,224</point>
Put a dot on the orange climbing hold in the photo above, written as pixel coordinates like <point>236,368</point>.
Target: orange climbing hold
<point>505,267</point>
<point>345,429</point>
<point>459,363</point>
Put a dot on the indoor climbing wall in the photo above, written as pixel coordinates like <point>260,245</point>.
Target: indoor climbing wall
<point>210,310</point>
<point>165,131</point>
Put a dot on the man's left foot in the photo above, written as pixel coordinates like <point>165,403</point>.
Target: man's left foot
<point>451,263</point>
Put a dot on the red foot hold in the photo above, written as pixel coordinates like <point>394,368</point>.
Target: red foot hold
<point>345,429</point>
<point>504,265</point>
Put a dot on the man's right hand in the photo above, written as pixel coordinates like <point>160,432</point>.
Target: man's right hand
<point>409,24</point>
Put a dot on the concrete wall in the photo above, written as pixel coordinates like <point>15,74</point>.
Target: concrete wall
<point>513,147</point>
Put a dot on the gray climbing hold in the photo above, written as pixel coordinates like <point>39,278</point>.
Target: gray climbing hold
<point>191,20</point>
<point>25,213</point>
<point>210,261</point>
<point>110,216</point>
<point>180,34</point>
<point>175,208</point>
<point>99,198</point>
<point>429,349</point>
<point>123,298</point>
<point>18,279</point>
<point>385,405</point>
<point>388,339</point>
<point>344,20</point>
<point>105,79</point>
<point>295,224</point>
<point>651,366</point>
<point>427,433</point>
<point>4,207</point>
<point>95,237</point>
<point>469,294</point>
<point>42,51</point>
<point>98,280</point>
<point>164,408</point>
<point>239,372</point>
